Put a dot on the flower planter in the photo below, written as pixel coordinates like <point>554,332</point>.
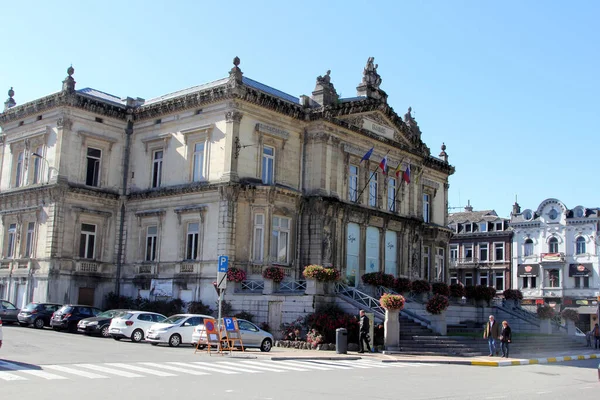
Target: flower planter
<point>270,286</point>
<point>438,323</point>
<point>392,329</point>
<point>315,287</point>
<point>571,331</point>
<point>545,327</point>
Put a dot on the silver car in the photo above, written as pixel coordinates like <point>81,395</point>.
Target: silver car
<point>252,336</point>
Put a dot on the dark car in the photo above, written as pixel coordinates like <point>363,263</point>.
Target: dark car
<point>37,314</point>
<point>99,324</point>
<point>69,315</point>
<point>8,312</point>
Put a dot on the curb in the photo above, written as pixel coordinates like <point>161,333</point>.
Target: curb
<point>535,361</point>
<point>284,358</point>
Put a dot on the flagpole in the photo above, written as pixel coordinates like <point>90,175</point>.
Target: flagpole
<point>369,181</point>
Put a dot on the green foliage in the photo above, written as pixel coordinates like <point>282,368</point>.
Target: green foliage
<point>378,279</point>
<point>457,290</point>
<point>321,273</point>
<point>168,308</point>
<point>437,304</point>
<point>440,288</point>
<point>420,286</point>
<point>245,315</point>
<point>197,307</point>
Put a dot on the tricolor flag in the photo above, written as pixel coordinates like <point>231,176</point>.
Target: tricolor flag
<point>398,170</point>
<point>383,165</point>
<point>367,155</point>
<point>406,174</point>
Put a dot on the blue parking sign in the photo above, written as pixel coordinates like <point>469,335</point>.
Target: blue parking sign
<point>229,325</point>
<point>223,263</point>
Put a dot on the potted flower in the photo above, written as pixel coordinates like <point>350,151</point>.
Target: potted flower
<point>374,279</point>
<point>570,316</point>
<point>273,276</point>
<point>318,278</point>
<point>513,297</point>
<point>402,285</point>
<point>421,288</point>
<point>440,288</point>
<point>457,291</point>
<point>436,306</point>
<point>235,274</point>
<point>392,303</point>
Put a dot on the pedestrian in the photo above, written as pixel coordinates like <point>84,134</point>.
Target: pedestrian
<point>588,338</point>
<point>363,333</point>
<point>492,333</point>
<point>596,335</point>
<point>505,338</point>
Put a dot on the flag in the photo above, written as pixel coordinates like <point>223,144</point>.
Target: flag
<point>383,165</point>
<point>367,155</point>
<point>406,174</point>
<point>398,170</point>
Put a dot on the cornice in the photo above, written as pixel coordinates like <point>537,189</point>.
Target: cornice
<point>167,191</point>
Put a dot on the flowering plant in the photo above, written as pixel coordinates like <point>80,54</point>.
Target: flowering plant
<point>378,279</point>
<point>392,301</point>
<point>481,292</point>
<point>570,315</point>
<point>321,273</point>
<point>274,273</point>
<point>328,318</point>
<point>513,294</point>
<point>457,290</point>
<point>545,312</point>
<point>314,338</point>
<point>440,288</point>
<point>437,304</point>
<point>236,275</point>
<point>420,286</point>
<point>402,285</point>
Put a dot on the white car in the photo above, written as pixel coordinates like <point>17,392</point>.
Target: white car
<point>175,330</point>
<point>133,325</point>
<point>252,336</point>
<point>0,332</point>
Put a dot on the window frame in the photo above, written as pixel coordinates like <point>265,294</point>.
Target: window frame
<point>391,194</point>
<point>86,247</point>
<point>496,248</point>
<point>157,168</point>
<point>29,240</point>
<point>353,182</point>
<point>528,248</point>
<point>484,225</point>
<point>373,188</point>
<point>580,247</point>
<point>275,247</point>
<point>426,207</point>
<point>499,275</point>
<point>268,177</point>
<point>20,169</point>
<point>97,173</point>
<point>258,238</point>
<point>453,251</point>
<point>553,244</point>
<point>35,175</point>
<point>486,247</point>
<point>483,276</point>
<point>191,251</point>
<point>469,276</point>
<point>468,227</point>
<point>198,160</point>
<point>548,282</point>
<point>467,246</point>
<point>11,240</point>
<point>151,253</point>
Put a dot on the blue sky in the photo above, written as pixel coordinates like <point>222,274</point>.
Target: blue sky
<point>511,87</point>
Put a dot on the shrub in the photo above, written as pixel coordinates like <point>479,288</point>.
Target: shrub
<point>245,315</point>
<point>264,326</point>
<point>378,279</point>
<point>288,328</point>
<point>197,307</point>
<point>392,301</point>
<point>168,308</point>
<point>440,288</point>
<point>327,319</point>
<point>457,290</point>
<point>321,273</point>
<point>470,292</point>
<point>226,309</point>
<point>570,314</point>
<point>481,292</point>
<point>420,286</point>
<point>236,275</point>
<point>314,338</point>
<point>545,312</point>
<point>274,273</point>
<point>437,304</point>
<point>513,294</point>
<point>402,285</point>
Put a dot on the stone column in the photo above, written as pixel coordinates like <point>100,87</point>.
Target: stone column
<point>392,330</point>
<point>571,331</point>
<point>545,327</point>
<point>270,286</point>
<point>232,134</point>
<point>438,323</point>
<point>226,224</point>
<point>314,287</point>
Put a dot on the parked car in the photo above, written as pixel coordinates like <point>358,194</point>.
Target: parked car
<point>0,332</point>
<point>99,324</point>
<point>8,312</point>
<point>69,315</point>
<point>175,330</point>
<point>252,336</point>
<point>134,325</point>
<point>37,314</point>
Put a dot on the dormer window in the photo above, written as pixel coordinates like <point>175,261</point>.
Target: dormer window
<point>499,226</point>
<point>483,227</point>
<point>468,227</point>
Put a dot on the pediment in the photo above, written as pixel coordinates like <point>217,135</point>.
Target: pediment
<point>377,123</point>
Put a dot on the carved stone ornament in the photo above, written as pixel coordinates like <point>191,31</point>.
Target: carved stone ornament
<point>233,116</point>
<point>64,123</point>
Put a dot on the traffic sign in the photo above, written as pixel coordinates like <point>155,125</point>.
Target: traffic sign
<point>229,324</point>
<point>221,280</point>
<point>223,263</point>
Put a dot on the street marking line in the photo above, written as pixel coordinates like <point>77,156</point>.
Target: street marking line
<point>251,367</point>
<point>7,376</point>
<point>533,361</point>
<point>516,362</point>
<point>140,369</point>
<point>593,355</point>
<point>581,357</point>
<point>77,372</point>
<point>176,369</point>
<point>238,369</point>
<point>111,371</point>
<point>303,365</point>
<point>551,359</point>
<point>327,364</point>
<point>259,365</point>
<point>568,358</point>
<point>289,367</point>
<point>355,364</point>
<point>205,368</point>
<point>30,371</point>
<point>485,363</point>
<point>374,364</point>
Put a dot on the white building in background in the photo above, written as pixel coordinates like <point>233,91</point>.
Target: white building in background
<point>555,256</point>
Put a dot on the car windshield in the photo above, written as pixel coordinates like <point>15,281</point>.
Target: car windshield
<point>111,313</point>
<point>30,307</point>
<point>175,319</point>
<point>65,309</point>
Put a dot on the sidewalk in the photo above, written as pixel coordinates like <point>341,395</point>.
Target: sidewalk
<point>280,354</point>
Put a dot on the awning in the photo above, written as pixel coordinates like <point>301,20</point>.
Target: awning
<point>528,270</point>
<point>580,269</point>
<point>584,309</point>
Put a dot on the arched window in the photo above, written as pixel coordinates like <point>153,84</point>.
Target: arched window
<point>528,247</point>
<point>553,245</point>
<point>580,245</point>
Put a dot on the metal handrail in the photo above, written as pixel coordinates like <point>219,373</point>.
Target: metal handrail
<point>292,286</point>
<point>253,286</point>
<point>360,297</point>
<point>407,313</point>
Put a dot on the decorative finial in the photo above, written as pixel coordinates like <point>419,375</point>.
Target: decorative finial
<point>71,70</point>
<point>443,146</point>
<point>69,82</point>
<point>443,154</point>
<point>10,102</point>
<point>236,61</point>
<point>235,75</point>
<point>11,92</point>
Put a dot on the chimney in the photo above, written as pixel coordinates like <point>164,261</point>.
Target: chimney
<point>469,207</point>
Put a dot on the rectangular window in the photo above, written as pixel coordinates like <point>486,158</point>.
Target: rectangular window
<point>499,251</point>
<point>157,165</point>
<point>582,282</point>
<point>533,281</point>
<point>577,282</point>
<point>528,248</point>
<point>11,239</point>
<point>353,183</point>
<point>37,163</point>
<point>373,191</point>
<point>392,195</point>
<point>259,237</point>
<point>151,242</point>
<point>193,232</point>
<point>468,252</point>
<point>198,173</point>
<point>499,226</point>
<point>268,165</point>
<point>92,176</point>
<point>525,282</point>
<point>280,239</point>
<point>552,278</point>
<point>426,262</point>
<point>391,240</point>
<point>499,280</point>
<point>87,241</point>
<point>468,228</point>
<point>440,264</point>
<point>453,252</point>
<point>19,170</point>
<point>483,227</point>
<point>453,278</point>
<point>29,240</point>
<point>483,251</point>
<point>426,208</point>
<point>483,279</point>
<point>469,279</point>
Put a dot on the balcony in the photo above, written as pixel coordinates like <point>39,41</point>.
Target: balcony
<point>146,269</point>
<point>466,262</point>
<point>94,267</point>
<point>189,267</point>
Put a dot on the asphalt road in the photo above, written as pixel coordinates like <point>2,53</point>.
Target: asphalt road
<point>46,364</point>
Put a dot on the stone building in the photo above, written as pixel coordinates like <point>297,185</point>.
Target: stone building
<point>555,260</point>
<point>480,249</point>
<point>100,193</point>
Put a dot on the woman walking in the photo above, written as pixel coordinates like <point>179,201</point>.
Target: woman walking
<point>505,338</point>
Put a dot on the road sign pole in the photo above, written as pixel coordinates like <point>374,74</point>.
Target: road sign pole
<point>219,319</point>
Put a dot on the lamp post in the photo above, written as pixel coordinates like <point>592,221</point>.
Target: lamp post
<point>47,165</point>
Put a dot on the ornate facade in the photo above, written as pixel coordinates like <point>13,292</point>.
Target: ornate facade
<point>101,194</point>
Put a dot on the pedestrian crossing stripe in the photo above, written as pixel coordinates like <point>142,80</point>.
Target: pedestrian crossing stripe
<point>13,372</point>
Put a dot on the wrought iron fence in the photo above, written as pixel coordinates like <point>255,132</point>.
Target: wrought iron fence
<point>252,286</point>
<point>292,286</point>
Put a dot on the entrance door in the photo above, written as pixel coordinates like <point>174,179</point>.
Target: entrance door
<point>352,252</point>
<point>275,308</point>
<point>20,296</point>
<point>372,250</point>
<point>86,296</point>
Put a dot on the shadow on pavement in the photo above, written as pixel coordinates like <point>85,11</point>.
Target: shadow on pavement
<point>8,365</point>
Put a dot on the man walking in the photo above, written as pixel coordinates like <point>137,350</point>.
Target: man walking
<point>363,333</point>
<point>596,334</point>
<point>492,333</point>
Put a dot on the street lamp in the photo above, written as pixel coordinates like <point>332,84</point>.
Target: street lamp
<point>47,165</point>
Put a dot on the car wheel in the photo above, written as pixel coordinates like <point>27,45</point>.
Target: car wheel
<point>266,345</point>
<point>104,331</point>
<point>137,336</point>
<point>23,324</point>
<point>72,327</point>
<point>116,338</point>
<point>175,340</point>
<point>38,323</point>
